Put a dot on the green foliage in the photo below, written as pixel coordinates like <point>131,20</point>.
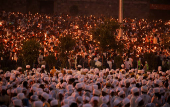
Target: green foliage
<point>30,51</point>
<point>50,60</point>
<point>65,45</point>
<point>74,10</point>
<point>118,61</point>
<point>151,58</point>
<point>104,36</point>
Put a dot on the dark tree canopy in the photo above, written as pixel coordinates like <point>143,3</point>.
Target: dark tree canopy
<point>65,45</point>
<point>50,60</point>
<point>104,35</point>
<point>166,40</point>
<point>30,51</point>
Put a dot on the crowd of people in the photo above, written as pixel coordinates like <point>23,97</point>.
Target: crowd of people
<point>84,88</point>
<point>139,36</point>
<point>83,83</point>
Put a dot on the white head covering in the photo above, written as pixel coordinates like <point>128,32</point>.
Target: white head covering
<point>134,90</point>
<point>105,90</point>
<point>138,100</point>
<point>54,102</point>
<point>79,98</point>
<point>116,102</point>
<point>95,86</point>
<point>17,102</point>
<point>20,96</point>
<point>85,98</point>
<point>125,101</point>
<point>122,65</point>
<point>87,87</point>
<point>19,90</point>
<point>79,85</point>
<point>42,66</point>
<point>45,95</point>
<point>105,100</point>
<point>121,93</point>
<point>96,92</point>
<point>38,104</point>
<point>156,90</point>
<point>144,88</point>
<point>103,105</point>
<point>95,98</point>
<point>87,105</point>
<point>34,97</point>
<point>27,66</point>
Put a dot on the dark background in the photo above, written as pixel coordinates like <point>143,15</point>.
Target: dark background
<point>132,8</point>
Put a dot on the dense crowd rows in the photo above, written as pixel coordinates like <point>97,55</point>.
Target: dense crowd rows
<point>84,88</point>
<point>140,36</point>
<point>81,84</point>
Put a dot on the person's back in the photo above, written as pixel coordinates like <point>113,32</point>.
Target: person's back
<point>40,58</point>
<point>146,98</point>
<point>110,64</point>
<point>127,64</point>
<point>4,99</point>
<point>53,71</point>
<point>167,104</point>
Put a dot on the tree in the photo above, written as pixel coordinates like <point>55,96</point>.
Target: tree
<point>65,45</point>
<point>166,40</point>
<point>30,51</point>
<point>118,61</point>
<point>50,60</point>
<point>105,38</point>
<point>151,59</point>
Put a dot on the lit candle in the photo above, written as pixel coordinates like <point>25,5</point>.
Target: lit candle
<point>7,33</point>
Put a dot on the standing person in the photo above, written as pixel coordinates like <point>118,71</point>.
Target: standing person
<point>40,58</point>
<point>109,62</point>
<point>167,104</point>
<point>144,95</point>
<point>53,72</point>
<point>135,94</point>
<point>43,62</point>
<point>26,72</point>
<point>4,98</point>
<point>146,66</point>
<point>127,64</point>
<point>131,61</point>
<point>155,39</point>
<point>140,64</point>
<point>156,99</point>
<point>44,99</point>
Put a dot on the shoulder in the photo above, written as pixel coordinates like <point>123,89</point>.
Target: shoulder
<point>166,105</point>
